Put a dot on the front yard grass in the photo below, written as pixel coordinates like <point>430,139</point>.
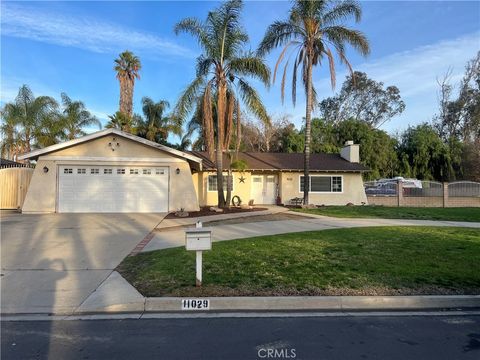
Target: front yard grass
<point>360,261</point>
<point>446,214</point>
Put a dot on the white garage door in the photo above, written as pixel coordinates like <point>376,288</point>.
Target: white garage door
<point>112,189</point>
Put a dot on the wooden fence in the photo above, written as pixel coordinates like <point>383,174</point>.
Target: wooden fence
<point>13,186</point>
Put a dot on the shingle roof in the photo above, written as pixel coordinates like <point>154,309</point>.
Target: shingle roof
<point>285,161</point>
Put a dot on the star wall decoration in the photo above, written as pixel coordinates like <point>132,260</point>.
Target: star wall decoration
<point>242,179</point>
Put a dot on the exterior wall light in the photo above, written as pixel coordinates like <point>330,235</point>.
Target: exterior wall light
<point>45,169</point>
<point>177,171</point>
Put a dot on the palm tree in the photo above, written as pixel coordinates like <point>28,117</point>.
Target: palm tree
<point>122,121</point>
<point>10,146</point>
<point>127,67</point>
<point>185,140</point>
<point>50,131</point>
<point>156,126</point>
<point>221,77</point>
<point>26,117</point>
<point>314,31</point>
<point>76,117</point>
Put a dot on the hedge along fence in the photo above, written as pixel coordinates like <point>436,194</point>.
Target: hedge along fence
<point>14,184</point>
<point>431,194</point>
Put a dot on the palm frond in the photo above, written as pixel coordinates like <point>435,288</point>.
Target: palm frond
<point>188,98</point>
<point>252,100</point>
<point>341,11</point>
<point>279,33</point>
<point>340,35</point>
<point>251,65</point>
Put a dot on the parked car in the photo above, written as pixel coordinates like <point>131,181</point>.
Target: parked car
<point>383,188</point>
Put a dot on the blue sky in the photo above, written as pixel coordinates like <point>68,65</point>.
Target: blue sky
<point>70,46</point>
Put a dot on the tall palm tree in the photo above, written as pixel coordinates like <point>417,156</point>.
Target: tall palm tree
<point>156,126</point>
<point>314,31</point>
<point>221,76</point>
<point>128,68</point>
<point>76,117</point>
<point>28,115</point>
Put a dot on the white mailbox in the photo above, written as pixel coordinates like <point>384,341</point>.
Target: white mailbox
<point>198,239</point>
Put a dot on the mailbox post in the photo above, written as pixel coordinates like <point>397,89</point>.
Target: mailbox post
<point>198,239</point>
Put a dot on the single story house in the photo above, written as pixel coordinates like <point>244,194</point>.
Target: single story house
<point>114,171</point>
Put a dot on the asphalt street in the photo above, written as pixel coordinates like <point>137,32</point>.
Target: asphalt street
<point>330,337</point>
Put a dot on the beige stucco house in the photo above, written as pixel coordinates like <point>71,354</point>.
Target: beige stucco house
<point>277,178</point>
<point>113,171</point>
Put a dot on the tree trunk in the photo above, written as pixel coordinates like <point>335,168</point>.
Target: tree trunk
<point>222,94</point>
<point>306,172</point>
<point>239,129</point>
<point>130,98</point>
<point>123,96</point>
<point>229,123</point>
<point>229,187</point>
<point>207,119</point>
<point>126,96</point>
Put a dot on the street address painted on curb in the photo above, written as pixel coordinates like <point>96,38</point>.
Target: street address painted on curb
<point>195,304</point>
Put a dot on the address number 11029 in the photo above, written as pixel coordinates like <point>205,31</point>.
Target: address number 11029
<point>195,304</point>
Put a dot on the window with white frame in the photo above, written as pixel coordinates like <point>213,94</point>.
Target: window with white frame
<point>81,171</point>
<point>120,171</point>
<point>68,171</point>
<point>107,171</point>
<point>212,182</point>
<point>94,171</point>
<point>147,171</point>
<point>133,171</point>
<point>321,183</point>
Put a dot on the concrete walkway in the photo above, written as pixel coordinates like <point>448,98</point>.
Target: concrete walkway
<point>176,237</point>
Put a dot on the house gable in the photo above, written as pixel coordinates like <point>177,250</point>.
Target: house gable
<point>113,133</point>
<point>111,147</point>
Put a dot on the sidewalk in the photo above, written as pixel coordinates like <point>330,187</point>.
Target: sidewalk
<point>306,222</point>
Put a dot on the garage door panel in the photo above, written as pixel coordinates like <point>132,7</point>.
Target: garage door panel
<point>112,189</point>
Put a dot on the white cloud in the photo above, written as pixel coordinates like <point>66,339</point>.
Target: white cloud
<point>82,32</point>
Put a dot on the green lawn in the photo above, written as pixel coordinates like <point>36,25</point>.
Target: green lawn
<point>361,261</point>
<point>448,214</point>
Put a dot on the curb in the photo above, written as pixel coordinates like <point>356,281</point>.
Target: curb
<point>319,303</point>
<point>338,304</point>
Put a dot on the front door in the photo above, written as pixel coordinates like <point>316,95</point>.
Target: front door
<point>264,189</point>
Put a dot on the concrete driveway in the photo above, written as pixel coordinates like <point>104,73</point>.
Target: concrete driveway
<point>53,262</point>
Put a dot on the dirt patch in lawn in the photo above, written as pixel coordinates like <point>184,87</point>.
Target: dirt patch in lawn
<point>240,220</point>
<point>259,218</point>
<point>205,211</point>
